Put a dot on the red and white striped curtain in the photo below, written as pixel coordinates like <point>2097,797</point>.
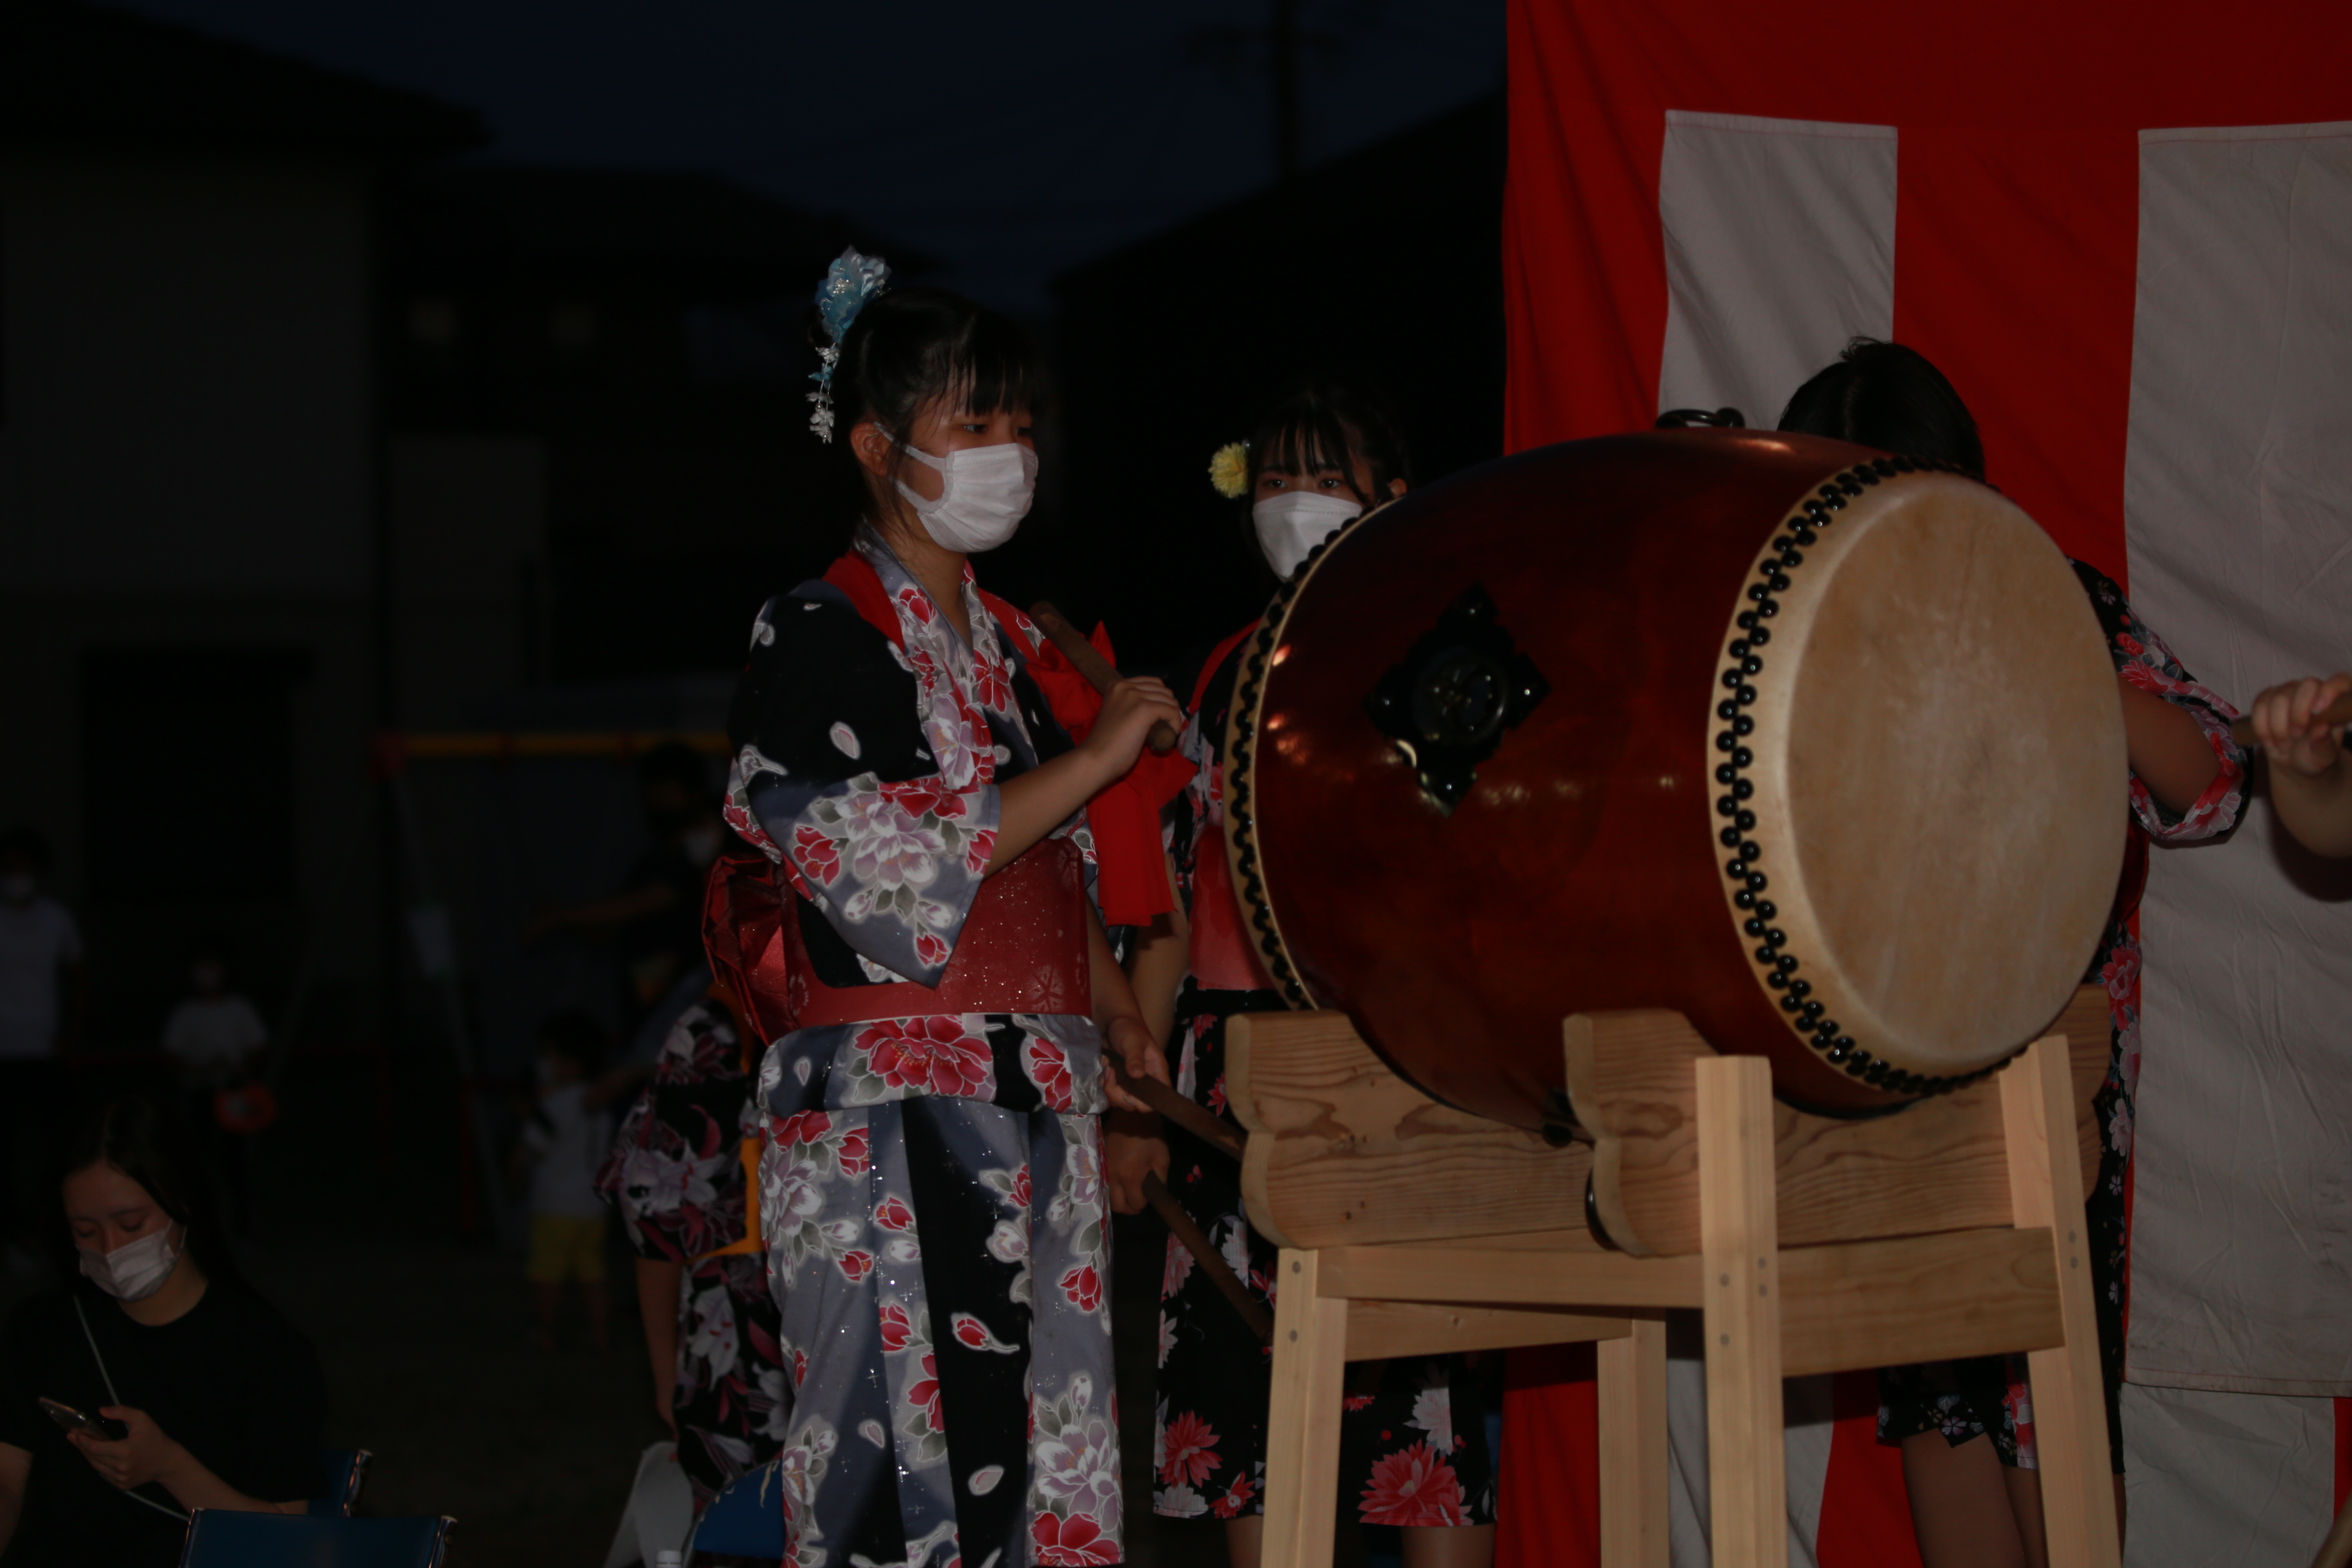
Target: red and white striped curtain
<point>2125,232</point>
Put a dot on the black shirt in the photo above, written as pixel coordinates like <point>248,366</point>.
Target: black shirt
<point>230,1380</point>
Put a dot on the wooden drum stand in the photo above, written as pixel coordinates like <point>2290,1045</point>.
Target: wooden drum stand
<point>1954,1228</point>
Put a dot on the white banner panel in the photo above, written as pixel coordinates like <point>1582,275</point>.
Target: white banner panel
<point>1780,247</point>
<point>1808,1410</point>
<point>2238,509</point>
<point>2226,1480</point>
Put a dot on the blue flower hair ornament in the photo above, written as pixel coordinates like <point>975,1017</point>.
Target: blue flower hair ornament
<point>849,283</point>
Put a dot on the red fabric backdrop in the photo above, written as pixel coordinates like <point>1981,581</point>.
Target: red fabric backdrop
<point>2018,210</point>
<point>2017,223</point>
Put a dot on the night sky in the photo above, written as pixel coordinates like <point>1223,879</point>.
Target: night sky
<point>1010,141</point>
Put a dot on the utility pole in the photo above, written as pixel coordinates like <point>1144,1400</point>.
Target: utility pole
<point>1283,34</point>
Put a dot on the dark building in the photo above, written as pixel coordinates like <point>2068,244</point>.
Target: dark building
<point>190,531</point>
<point>646,330</point>
<point>306,431</point>
<point>1382,268</point>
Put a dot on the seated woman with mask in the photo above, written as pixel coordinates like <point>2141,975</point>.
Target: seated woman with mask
<point>213,1399</point>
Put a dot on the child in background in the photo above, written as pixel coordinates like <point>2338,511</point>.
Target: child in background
<point>40,1009</point>
<point>562,1144</point>
<point>215,1038</point>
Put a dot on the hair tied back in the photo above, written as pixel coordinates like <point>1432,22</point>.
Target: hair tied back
<point>851,281</point>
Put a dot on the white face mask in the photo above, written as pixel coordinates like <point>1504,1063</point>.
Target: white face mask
<point>984,493</point>
<point>1295,521</point>
<point>136,1270</point>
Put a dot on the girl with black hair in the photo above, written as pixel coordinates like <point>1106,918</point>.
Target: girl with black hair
<point>933,983</point>
<point>1414,1440</point>
<point>215,1400</point>
<point>1979,1503</point>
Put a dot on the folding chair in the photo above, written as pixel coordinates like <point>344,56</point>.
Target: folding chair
<point>747,1520</point>
<point>343,1472</point>
<point>219,1538</point>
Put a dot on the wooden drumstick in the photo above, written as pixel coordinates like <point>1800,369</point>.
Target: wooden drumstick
<point>1090,664</point>
<point>1196,1242</point>
<point>1199,1121</point>
<point>1210,1130</point>
<point>2337,712</point>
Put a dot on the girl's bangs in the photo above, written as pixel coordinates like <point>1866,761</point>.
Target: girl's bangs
<point>1309,442</point>
<point>992,370</point>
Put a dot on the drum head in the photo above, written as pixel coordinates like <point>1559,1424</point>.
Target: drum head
<point>1938,775</point>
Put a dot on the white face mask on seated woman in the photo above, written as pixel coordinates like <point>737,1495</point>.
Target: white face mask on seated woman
<point>984,492</point>
<point>136,1270</point>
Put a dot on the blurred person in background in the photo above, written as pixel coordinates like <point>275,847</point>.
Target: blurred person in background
<point>215,1400</point>
<point>678,1174</point>
<point>563,1142</point>
<point>215,1038</point>
<point>40,1017</point>
<point>656,923</point>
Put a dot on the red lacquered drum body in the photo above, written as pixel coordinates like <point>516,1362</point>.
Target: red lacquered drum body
<point>1820,748</point>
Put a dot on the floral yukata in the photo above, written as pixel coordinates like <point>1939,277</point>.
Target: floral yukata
<point>676,1174</point>
<point>1414,1434</point>
<point>1988,1395</point>
<point>932,1192</point>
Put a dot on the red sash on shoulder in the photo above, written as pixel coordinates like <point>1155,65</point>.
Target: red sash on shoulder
<point>1132,879</point>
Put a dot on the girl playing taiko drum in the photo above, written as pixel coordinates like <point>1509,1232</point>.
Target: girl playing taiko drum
<point>931,1193</point>
<point>1414,1441</point>
<point>1965,1428</point>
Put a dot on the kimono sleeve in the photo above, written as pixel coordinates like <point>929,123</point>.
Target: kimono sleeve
<point>855,768</point>
<point>2142,658</point>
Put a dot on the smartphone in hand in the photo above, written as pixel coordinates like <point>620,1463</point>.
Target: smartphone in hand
<point>72,1420</point>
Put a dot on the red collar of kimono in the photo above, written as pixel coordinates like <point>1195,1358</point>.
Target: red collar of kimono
<point>1132,883</point>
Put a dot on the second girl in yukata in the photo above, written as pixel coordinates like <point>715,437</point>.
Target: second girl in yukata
<point>1414,1449</point>
<point>932,1191</point>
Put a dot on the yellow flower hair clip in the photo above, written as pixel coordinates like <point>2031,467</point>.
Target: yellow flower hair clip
<point>1229,471</point>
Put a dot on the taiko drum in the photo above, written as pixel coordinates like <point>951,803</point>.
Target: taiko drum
<point>1820,748</point>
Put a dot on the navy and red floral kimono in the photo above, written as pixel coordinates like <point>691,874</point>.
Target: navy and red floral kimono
<point>932,1192</point>
<point>1988,1395</point>
<point>1413,1436</point>
<point>676,1174</point>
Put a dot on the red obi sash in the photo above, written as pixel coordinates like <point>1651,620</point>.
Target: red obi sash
<point>1023,949</point>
